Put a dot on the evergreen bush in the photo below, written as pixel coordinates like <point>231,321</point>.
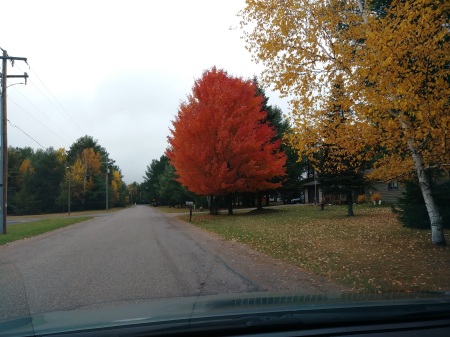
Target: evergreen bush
<point>413,212</point>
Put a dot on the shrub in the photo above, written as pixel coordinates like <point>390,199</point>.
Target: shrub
<point>361,199</point>
<point>413,212</point>
<point>375,197</point>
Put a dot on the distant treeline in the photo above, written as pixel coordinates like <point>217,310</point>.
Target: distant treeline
<point>38,180</point>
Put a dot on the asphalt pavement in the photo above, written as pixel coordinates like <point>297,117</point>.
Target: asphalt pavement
<point>134,255</point>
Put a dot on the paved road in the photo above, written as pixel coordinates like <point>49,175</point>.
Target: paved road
<point>132,255</point>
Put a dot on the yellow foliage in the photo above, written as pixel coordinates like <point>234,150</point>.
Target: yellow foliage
<point>77,175</point>
<point>116,184</point>
<point>391,73</point>
<point>82,172</point>
<point>61,156</point>
<point>91,161</point>
<point>26,167</point>
<point>393,167</point>
<point>117,178</point>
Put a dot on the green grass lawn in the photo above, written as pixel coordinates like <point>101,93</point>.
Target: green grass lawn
<point>63,215</point>
<point>173,210</point>
<point>28,229</point>
<point>167,209</point>
<point>370,251</point>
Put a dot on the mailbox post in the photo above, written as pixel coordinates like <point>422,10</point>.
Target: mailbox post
<point>190,204</point>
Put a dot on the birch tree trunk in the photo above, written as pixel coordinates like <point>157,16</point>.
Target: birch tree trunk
<point>437,225</point>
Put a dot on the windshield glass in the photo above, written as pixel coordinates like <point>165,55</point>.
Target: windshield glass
<point>177,159</point>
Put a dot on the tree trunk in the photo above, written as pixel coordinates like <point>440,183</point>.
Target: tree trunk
<point>230,204</point>
<point>437,225</point>
<point>213,205</point>
<point>248,199</point>
<point>259,205</point>
<point>267,199</point>
<point>350,204</point>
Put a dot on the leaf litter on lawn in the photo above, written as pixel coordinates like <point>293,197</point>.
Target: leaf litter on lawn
<point>370,251</point>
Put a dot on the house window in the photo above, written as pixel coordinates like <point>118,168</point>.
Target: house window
<point>393,185</point>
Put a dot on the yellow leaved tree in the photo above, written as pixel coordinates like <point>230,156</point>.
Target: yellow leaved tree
<point>76,174</point>
<point>61,156</point>
<point>82,173</point>
<point>26,166</point>
<point>116,184</point>
<point>91,163</point>
<point>391,61</point>
<point>25,169</point>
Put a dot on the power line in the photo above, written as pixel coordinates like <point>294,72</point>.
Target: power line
<point>58,108</point>
<point>38,121</point>
<point>26,134</point>
<point>58,105</point>
<point>37,108</point>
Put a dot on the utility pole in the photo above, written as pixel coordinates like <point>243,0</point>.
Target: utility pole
<point>68,192</point>
<point>4,135</point>
<point>106,184</point>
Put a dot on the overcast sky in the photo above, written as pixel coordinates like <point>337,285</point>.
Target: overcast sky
<point>115,70</point>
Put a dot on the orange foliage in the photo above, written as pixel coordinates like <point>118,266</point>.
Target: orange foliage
<point>361,199</point>
<point>376,197</point>
<point>219,144</point>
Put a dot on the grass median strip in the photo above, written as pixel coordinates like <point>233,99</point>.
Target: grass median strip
<point>370,251</point>
<point>29,229</point>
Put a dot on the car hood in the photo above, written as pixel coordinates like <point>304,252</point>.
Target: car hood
<point>251,310</point>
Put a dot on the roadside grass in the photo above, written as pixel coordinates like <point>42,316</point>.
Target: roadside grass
<point>62,215</point>
<point>370,251</point>
<point>167,209</point>
<point>185,210</point>
<point>28,229</point>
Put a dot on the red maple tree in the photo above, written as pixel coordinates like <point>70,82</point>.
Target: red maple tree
<point>219,144</point>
